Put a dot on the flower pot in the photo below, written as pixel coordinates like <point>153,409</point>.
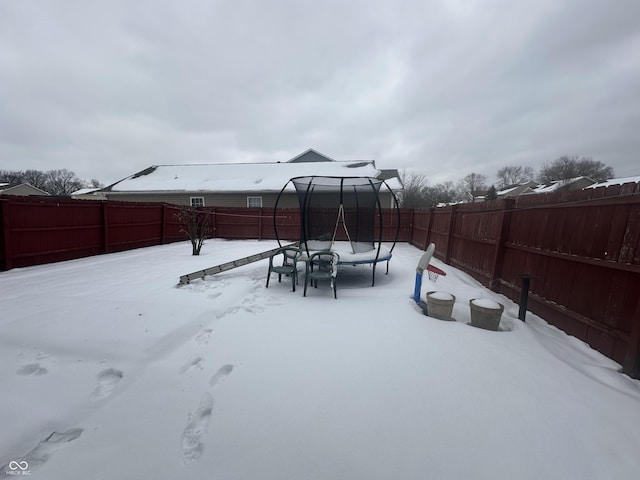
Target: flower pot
<point>440,305</point>
<point>485,313</point>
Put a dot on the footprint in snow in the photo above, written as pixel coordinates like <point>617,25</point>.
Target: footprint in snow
<point>198,422</point>
<point>107,381</point>
<point>203,337</point>
<point>195,362</point>
<point>221,374</point>
<point>32,369</point>
<point>41,453</point>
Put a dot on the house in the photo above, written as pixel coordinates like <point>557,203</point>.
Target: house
<point>476,196</point>
<point>240,184</point>
<point>615,181</point>
<point>23,189</point>
<point>577,183</point>
<point>511,191</point>
<point>531,187</point>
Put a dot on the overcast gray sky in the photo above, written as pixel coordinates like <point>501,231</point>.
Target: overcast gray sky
<point>444,88</point>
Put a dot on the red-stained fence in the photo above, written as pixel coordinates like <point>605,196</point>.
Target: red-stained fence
<point>580,248</point>
<point>43,230</point>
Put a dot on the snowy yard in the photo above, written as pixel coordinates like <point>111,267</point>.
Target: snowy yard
<point>111,371</point>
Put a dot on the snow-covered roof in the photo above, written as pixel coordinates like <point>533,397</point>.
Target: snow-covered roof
<point>558,185</point>
<point>616,181</point>
<point>516,189</point>
<point>238,177</point>
<point>84,191</point>
<point>506,191</point>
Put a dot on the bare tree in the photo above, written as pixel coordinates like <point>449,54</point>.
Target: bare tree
<point>439,193</point>
<point>55,182</point>
<point>413,194</point>
<point>514,174</point>
<point>472,183</point>
<point>195,223</point>
<point>573,166</point>
<point>11,177</point>
<point>36,178</point>
<point>63,182</point>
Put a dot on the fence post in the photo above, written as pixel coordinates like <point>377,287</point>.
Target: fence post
<point>631,365</point>
<point>163,225</point>
<point>260,223</point>
<point>452,223</point>
<point>427,239</point>
<point>7,263</point>
<point>214,234</point>
<point>105,228</point>
<point>498,253</point>
<point>412,226</point>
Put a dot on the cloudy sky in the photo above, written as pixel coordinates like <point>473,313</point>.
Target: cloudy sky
<point>106,88</point>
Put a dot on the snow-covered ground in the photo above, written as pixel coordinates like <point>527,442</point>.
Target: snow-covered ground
<point>111,371</point>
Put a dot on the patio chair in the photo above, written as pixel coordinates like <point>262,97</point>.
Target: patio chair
<point>284,262</point>
<point>322,265</point>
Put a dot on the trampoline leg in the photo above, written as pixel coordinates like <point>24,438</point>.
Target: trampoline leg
<point>373,280</point>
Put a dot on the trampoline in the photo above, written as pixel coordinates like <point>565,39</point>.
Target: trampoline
<point>344,215</point>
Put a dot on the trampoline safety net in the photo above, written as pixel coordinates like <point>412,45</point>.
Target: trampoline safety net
<point>337,209</point>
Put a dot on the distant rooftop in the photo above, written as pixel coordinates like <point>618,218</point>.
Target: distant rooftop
<point>616,181</point>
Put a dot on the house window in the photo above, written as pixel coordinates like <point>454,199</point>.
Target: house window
<point>254,202</point>
<point>197,201</point>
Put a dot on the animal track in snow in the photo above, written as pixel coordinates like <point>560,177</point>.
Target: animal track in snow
<point>107,381</point>
<point>32,369</point>
<point>195,362</point>
<point>221,374</point>
<point>198,421</point>
<point>45,448</point>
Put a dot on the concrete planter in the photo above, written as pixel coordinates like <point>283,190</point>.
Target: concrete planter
<point>440,305</point>
<point>485,313</point>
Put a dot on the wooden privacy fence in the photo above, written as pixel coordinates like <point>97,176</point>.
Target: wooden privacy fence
<point>581,250</point>
<point>43,230</point>
<point>39,230</point>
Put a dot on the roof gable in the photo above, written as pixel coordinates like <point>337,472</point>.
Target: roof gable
<point>310,155</point>
<point>21,189</point>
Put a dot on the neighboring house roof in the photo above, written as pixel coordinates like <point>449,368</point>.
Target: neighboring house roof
<point>235,177</point>
<point>89,194</point>
<point>517,189</point>
<point>84,191</point>
<point>569,184</point>
<point>25,189</point>
<point>616,181</point>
